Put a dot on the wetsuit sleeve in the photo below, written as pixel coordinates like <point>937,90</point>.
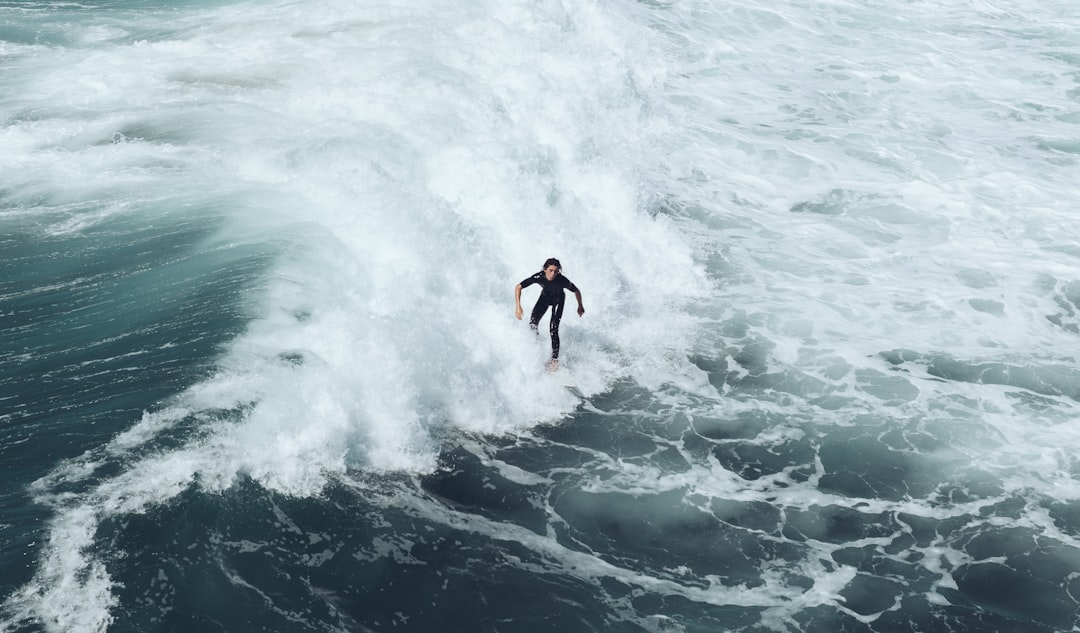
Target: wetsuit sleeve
<point>525,283</point>
<point>569,285</point>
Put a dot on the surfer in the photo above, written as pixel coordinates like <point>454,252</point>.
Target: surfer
<point>553,287</point>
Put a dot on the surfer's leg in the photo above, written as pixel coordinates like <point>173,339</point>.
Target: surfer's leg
<point>537,312</point>
<point>556,316</point>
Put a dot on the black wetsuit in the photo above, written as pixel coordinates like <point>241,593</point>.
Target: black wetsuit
<point>552,295</point>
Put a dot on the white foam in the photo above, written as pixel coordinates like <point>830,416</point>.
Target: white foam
<point>411,185</point>
<point>414,163</point>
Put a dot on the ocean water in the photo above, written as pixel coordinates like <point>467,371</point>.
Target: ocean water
<point>259,368</point>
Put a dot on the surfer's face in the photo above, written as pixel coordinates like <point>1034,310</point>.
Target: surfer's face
<point>550,272</point>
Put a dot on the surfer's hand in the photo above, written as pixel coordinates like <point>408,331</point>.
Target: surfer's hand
<point>518,312</point>
<point>581,310</point>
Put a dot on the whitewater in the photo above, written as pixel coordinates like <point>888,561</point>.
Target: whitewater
<point>260,368</point>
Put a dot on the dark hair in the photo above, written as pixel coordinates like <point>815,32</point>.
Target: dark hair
<point>551,261</point>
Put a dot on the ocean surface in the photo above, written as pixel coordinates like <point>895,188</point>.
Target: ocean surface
<point>260,371</point>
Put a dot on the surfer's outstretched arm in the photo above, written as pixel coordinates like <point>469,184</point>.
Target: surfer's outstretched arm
<point>517,302</point>
<point>580,307</point>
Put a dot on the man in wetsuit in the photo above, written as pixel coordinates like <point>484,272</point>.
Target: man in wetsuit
<point>553,287</point>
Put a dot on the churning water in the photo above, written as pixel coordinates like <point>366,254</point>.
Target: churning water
<point>260,371</point>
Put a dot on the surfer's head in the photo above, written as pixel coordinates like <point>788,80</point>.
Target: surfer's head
<point>551,268</point>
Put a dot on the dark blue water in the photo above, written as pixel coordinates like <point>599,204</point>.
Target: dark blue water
<point>101,326</point>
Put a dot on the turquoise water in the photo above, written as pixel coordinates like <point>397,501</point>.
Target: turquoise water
<point>260,368</point>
